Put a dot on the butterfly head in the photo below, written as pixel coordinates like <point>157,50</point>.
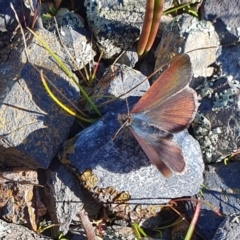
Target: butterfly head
<point>125,119</point>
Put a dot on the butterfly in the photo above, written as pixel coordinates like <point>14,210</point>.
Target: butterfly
<point>168,107</point>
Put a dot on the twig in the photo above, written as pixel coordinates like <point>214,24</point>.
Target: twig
<point>24,39</point>
<point>87,225</point>
<point>21,182</point>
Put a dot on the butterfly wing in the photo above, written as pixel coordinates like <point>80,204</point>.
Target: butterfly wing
<point>172,115</point>
<point>169,104</point>
<point>162,152</point>
<point>172,80</point>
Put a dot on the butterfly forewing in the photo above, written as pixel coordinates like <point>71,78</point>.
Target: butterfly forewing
<point>175,114</point>
<point>172,80</point>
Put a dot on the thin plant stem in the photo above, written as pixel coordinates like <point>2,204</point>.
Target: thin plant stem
<point>158,9</point>
<point>146,29</point>
<point>193,222</point>
<point>22,32</point>
<point>67,72</point>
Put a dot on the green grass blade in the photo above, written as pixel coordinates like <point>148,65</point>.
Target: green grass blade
<point>59,103</point>
<point>175,9</point>
<point>138,231</point>
<point>65,69</point>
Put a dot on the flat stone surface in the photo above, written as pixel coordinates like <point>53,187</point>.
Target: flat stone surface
<point>119,169</point>
<point>33,127</point>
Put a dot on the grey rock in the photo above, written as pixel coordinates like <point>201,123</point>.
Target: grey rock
<point>116,24</point>
<point>74,36</point>
<point>216,125</point>
<point>118,83</point>
<point>63,197</point>
<point>114,232</point>
<point>121,164</point>
<point>229,229</point>
<point>222,192</point>
<point>165,20</point>
<point>224,16</point>
<point>119,233</point>
<point>64,17</point>
<point>129,57</point>
<point>11,231</point>
<point>187,34</point>
<point>78,236</point>
<point>33,127</point>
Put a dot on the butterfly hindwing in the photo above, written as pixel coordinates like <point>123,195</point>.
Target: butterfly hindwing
<point>164,153</point>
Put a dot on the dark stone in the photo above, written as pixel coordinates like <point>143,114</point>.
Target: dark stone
<point>116,25</point>
<point>224,15</point>
<point>222,192</point>
<point>8,20</point>
<point>228,229</point>
<point>118,83</point>
<point>216,125</point>
<point>33,127</point>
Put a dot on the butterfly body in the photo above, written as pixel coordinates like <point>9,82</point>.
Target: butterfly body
<point>138,123</point>
<point>166,108</point>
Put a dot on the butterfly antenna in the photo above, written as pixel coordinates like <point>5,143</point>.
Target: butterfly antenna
<point>120,55</point>
<point>121,72</point>
<point>125,123</point>
<point>125,95</point>
<point>119,130</point>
